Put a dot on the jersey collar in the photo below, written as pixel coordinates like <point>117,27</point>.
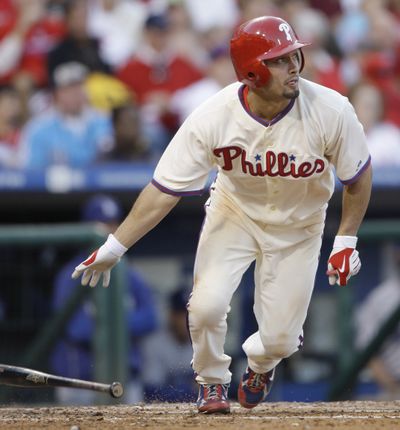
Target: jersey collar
<point>243,91</point>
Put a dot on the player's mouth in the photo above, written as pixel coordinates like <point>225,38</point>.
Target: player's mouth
<point>292,83</point>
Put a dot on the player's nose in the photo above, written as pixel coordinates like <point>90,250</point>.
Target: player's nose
<point>294,63</point>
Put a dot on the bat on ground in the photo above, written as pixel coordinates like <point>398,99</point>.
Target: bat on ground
<point>24,377</point>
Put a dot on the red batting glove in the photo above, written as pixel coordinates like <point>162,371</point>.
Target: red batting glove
<point>100,262</point>
<point>344,261</point>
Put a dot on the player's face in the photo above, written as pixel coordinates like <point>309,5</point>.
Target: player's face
<point>284,72</point>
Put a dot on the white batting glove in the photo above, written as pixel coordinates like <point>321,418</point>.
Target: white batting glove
<point>344,262</point>
<point>100,262</point>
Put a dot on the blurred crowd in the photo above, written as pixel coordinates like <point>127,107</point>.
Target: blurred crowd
<point>92,81</point>
<point>86,82</point>
<point>159,349</point>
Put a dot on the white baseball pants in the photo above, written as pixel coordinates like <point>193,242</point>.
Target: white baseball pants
<point>286,264</point>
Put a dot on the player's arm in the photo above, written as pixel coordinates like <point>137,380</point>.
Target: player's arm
<point>149,209</point>
<point>355,199</point>
<point>344,261</point>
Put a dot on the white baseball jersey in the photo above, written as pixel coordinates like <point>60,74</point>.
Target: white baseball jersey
<point>267,204</point>
<point>277,172</point>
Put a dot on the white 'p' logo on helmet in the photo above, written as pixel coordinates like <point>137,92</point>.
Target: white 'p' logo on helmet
<point>284,27</point>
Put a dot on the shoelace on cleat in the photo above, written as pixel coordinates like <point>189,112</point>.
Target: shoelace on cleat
<point>257,380</point>
<point>213,392</point>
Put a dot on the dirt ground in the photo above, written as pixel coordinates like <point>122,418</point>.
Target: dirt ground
<point>275,416</point>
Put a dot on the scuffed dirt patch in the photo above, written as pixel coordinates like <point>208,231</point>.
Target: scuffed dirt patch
<point>359,415</point>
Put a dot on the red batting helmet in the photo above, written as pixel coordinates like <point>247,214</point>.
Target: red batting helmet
<point>261,39</point>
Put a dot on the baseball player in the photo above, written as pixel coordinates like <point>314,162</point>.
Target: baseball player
<point>274,138</point>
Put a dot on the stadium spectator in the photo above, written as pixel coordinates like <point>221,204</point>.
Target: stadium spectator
<point>72,356</point>
<point>28,30</point>
<point>11,118</point>
<point>380,62</point>
<point>77,45</point>
<point>129,144</point>
<point>155,69</point>
<point>209,14</point>
<point>250,9</point>
<point>118,26</point>
<point>71,133</point>
<point>185,41</point>
<point>379,69</point>
<point>374,311</point>
<point>212,24</point>
<point>383,137</point>
<point>219,73</point>
<point>167,375</point>
<point>331,8</point>
<point>367,35</point>
<point>153,74</point>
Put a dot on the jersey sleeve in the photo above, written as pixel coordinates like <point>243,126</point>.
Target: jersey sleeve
<point>184,167</point>
<point>347,148</point>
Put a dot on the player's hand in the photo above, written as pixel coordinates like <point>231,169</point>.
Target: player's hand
<point>100,262</point>
<point>344,261</point>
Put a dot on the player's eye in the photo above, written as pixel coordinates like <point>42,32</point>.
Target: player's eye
<point>281,60</point>
<point>277,61</point>
<point>295,58</point>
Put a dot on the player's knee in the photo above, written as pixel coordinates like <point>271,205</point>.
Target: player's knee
<point>280,347</point>
<point>207,311</point>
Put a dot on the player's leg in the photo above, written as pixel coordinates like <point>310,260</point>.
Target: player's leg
<point>284,282</point>
<point>224,253</point>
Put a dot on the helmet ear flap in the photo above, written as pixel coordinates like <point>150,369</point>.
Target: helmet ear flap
<point>251,79</point>
<point>258,75</point>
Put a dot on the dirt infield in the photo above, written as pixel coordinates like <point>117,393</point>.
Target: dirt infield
<point>279,416</point>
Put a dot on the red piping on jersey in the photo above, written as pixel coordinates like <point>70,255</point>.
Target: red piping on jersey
<point>176,193</point>
<point>243,94</point>
<point>357,175</point>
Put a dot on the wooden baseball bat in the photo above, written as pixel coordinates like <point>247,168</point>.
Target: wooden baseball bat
<point>24,377</point>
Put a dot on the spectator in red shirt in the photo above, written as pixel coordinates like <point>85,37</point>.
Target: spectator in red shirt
<point>153,74</point>
<point>379,69</point>
<point>28,31</point>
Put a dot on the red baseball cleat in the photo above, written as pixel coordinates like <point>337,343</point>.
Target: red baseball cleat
<point>254,387</point>
<point>213,399</point>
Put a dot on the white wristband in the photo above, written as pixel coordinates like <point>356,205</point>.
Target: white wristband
<point>345,242</point>
<point>114,246</point>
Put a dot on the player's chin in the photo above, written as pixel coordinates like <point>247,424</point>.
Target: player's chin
<point>291,94</point>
